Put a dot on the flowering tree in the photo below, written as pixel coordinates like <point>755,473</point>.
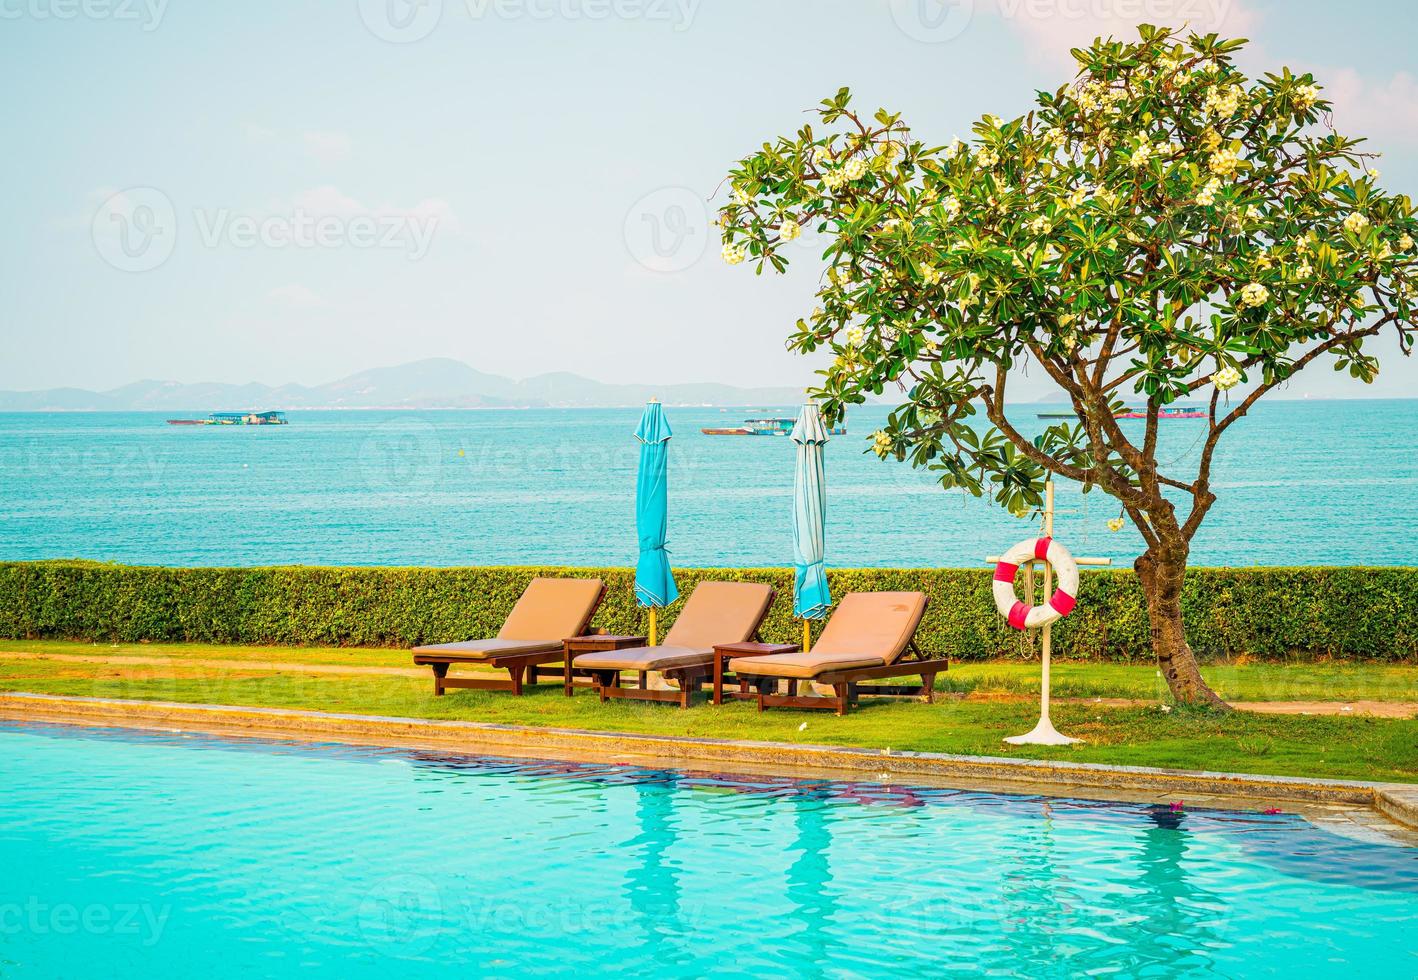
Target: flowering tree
<point>1162,228</point>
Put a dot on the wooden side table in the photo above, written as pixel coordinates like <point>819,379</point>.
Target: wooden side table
<point>593,643</point>
<point>728,651</point>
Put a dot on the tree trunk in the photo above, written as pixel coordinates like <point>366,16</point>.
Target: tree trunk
<point>1161,570</point>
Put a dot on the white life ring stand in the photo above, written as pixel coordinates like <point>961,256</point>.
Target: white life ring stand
<point>1021,615</point>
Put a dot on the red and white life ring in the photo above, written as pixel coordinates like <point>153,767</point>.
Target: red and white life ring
<point>1021,615</point>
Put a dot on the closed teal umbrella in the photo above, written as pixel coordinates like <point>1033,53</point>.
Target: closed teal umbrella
<point>654,582</point>
<point>811,596</point>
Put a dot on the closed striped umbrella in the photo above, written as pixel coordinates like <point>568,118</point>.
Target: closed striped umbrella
<point>811,596</point>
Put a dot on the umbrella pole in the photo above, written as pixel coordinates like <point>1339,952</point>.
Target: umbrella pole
<point>652,626</point>
<point>807,636</point>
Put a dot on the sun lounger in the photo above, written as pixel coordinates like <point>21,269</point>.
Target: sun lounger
<point>550,611</point>
<point>871,635</point>
<point>716,613</point>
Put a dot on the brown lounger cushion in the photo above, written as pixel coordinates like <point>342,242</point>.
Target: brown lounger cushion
<point>487,649</point>
<point>801,665</point>
<point>868,629</point>
<point>720,612</point>
<point>716,613</point>
<point>551,609</point>
<point>645,658</point>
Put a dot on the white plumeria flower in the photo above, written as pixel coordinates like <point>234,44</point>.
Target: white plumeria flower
<point>741,196</point>
<point>1254,294</point>
<point>855,337</point>
<point>1222,163</point>
<point>1356,223</point>
<point>1306,96</point>
<point>1116,524</point>
<point>734,254</point>
<point>789,230</point>
<point>1405,243</point>
<point>854,168</point>
<point>1222,101</point>
<point>1226,377</point>
<point>822,156</point>
<point>1141,155</point>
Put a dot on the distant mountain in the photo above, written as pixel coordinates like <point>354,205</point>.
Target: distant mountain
<point>428,384</point>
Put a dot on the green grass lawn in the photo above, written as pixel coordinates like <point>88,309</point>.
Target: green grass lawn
<point>1339,747</point>
<point>1251,682</point>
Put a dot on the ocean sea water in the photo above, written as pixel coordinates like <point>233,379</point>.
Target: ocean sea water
<point>154,855</point>
<point>1299,483</point>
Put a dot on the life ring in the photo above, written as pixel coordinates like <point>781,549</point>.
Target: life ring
<point>1021,615</point>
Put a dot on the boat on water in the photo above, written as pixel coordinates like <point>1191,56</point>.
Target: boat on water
<point>1133,413</point>
<point>236,418</point>
<point>1164,413</point>
<point>763,427</point>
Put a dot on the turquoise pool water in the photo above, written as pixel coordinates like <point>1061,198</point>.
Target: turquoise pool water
<point>173,856</point>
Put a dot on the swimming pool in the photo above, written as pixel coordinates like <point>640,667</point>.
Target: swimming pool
<point>166,855</point>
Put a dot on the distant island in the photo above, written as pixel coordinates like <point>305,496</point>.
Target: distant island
<point>429,384</point>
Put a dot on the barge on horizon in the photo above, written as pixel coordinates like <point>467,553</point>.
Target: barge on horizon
<point>763,427</point>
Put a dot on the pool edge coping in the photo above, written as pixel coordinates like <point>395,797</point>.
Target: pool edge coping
<point>1396,801</point>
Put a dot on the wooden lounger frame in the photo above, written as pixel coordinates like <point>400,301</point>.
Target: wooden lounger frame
<point>689,679</point>
<point>522,668</point>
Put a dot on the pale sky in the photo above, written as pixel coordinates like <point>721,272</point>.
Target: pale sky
<point>274,191</point>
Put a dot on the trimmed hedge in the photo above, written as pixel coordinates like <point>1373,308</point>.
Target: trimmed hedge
<point>1264,613</point>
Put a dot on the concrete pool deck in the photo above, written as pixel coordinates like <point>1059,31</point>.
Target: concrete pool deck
<point>1395,801</point>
